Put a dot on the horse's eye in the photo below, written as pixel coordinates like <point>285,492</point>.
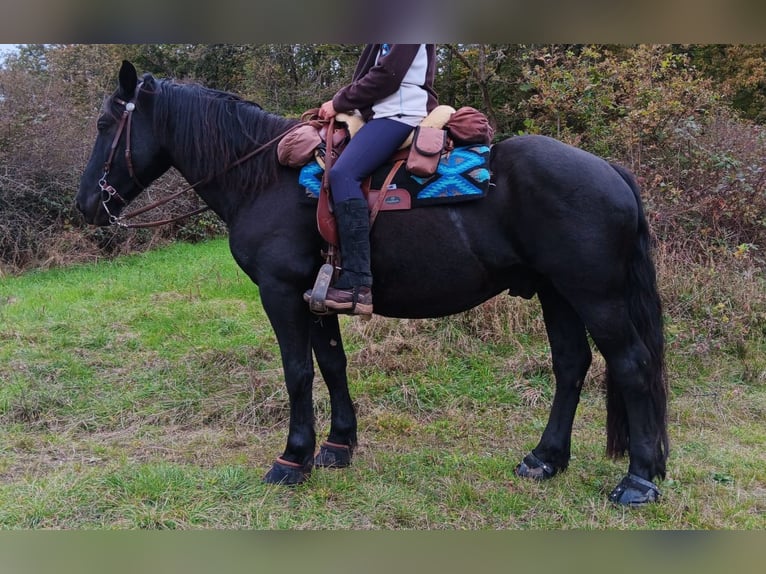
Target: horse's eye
<point>102,124</point>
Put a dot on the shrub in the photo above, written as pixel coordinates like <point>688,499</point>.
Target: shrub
<point>647,107</point>
<point>49,101</point>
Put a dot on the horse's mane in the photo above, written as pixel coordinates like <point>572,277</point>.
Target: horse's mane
<point>217,128</point>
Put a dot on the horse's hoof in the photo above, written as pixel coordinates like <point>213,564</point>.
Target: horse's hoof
<point>287,473</point>
<point>333,455</point>
<point>533,467</point>
<point>634,491</point>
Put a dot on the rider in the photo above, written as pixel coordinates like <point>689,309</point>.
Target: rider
<point>392,87</point>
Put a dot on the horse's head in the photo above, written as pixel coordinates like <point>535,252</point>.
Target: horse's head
<point>127,155</point>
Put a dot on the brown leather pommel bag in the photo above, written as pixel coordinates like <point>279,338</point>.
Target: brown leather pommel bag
<point>296,149</point>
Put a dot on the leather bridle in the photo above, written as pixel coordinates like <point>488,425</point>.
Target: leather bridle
<point>108,192</point>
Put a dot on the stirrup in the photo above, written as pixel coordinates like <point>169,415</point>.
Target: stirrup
<point>319,292</point>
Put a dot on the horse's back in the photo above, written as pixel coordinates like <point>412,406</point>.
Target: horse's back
<point>551,181</point>
<point>541,165</point>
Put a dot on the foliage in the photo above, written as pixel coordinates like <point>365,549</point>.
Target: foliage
<point>613,103</point>
<point>740,71</point>
<point>40,129</point>
<point>648,107</point>
<point>51,97</point>
<point>484,77</point>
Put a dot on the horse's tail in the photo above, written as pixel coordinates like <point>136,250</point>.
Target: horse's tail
<point>645,309</point>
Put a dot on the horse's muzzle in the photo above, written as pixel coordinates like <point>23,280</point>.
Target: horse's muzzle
<point>91,210</point>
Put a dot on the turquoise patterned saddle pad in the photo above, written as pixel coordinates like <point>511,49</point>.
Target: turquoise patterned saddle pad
<point>463,174</point>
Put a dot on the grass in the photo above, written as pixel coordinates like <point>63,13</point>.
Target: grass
<point>147,393</point>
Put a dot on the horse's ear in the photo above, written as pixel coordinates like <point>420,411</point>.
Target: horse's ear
<point>128,79</point>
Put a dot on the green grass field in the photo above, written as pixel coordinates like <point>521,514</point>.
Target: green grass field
<point>147,392</point>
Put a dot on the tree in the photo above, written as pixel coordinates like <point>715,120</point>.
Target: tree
<point>485,77</point>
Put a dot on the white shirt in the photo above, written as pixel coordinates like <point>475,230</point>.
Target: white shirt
<point>408,103</point>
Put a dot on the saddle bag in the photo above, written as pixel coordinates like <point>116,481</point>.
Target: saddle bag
<point>296,149</point>
<point>309,140</point>
<point>469,126</point>
<point>425,151</point>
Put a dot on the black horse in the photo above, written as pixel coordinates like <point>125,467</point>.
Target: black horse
<point>558,222</point>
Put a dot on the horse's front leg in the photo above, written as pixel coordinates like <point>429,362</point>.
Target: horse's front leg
<point>291,321</point>
<point>326,341</point>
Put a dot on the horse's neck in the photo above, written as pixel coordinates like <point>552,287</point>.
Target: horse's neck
<point>221,184</point>
<point>206,186</point>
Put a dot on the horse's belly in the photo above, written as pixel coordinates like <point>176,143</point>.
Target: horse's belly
<point>440,261</point>
<point>435,290</point>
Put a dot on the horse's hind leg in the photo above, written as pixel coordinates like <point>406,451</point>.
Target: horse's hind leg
<point>635,409</point>
<point>326,341</point>
<point>571,358</point>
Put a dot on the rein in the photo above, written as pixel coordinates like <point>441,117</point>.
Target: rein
<point>109,192</point>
